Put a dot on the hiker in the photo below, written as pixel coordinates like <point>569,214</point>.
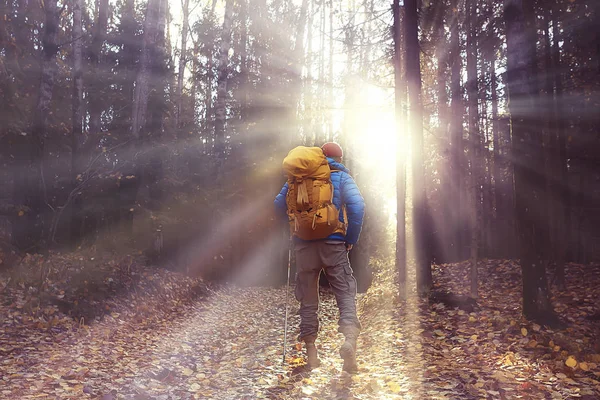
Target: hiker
<point>323,244</point>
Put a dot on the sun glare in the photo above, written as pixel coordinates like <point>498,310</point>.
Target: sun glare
<point>375,134</point>
<point>376,140</point>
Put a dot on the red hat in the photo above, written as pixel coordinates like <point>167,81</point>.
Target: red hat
<point>331,149</point>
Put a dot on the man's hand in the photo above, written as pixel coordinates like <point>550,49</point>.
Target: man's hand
<point>348,247</point>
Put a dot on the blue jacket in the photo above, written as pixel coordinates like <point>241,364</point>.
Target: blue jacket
<point>345,192</point>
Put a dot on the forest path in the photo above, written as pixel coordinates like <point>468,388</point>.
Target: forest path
<point>229,346</point>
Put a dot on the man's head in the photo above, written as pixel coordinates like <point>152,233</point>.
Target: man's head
<point>333,150</point>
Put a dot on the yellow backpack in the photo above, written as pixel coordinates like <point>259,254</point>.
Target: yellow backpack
<point>311,212</point>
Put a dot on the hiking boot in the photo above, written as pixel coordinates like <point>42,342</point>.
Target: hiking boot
<point>311,352</point>
<point>348,349</point>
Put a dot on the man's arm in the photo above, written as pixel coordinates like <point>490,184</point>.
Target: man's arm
<point>355,208</point>
<point>280,204</point>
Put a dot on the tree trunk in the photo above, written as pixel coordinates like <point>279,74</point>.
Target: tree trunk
<point>564,185</point>
<point>415,123</point>
<point>456,141</point>
<point>551,157</point>
<point>351,88</point>
<point>208,102</point>
<point>475,143</point>
<point>195,66</point>
<point>182,63</point>
<point>399,96</point>
<point>30,179</point>
<point>330,78</point>
<point>444,235</point>
<point>142,85</point>
<point>244,67</point>
<point>131,50</point>
<point>77,110</point>
<point>153,27</point>
<point>309,109</point>
<point>153,168</point>
<point>295,90</point>
<point>95,50</point>
<point>222,81</point>
<point>321,136</point>
<point>499,224</point>
<point>528,176</point>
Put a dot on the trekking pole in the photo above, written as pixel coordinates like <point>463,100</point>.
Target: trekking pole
<point>287,289</point>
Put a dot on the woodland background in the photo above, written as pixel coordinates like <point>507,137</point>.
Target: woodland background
<point>160,127</point>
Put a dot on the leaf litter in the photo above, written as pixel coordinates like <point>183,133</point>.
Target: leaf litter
<point>158,339</point>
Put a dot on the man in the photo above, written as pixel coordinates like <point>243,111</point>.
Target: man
<point>331,256</point>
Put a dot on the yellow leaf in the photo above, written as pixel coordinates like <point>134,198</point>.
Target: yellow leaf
<point>474,337</point>
<point>556,348</point>
<point>187,372</point>
<point>394,387</point>
<point>513,322</point>
<point>472,319</point>
<point>532,343</point>
<point>584,366</point>
<point>571,362</point>
<point>21,213</point>
<point>524,331</point>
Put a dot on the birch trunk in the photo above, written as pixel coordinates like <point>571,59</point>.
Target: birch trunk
<point>222,82</point>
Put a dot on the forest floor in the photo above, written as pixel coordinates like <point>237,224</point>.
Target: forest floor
<point>158,335</point>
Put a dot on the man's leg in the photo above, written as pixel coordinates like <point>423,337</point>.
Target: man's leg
<point>343,284</point>
<point>308,266</point>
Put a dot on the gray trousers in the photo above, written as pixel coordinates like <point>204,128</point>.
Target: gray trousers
<point>331,257</point>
